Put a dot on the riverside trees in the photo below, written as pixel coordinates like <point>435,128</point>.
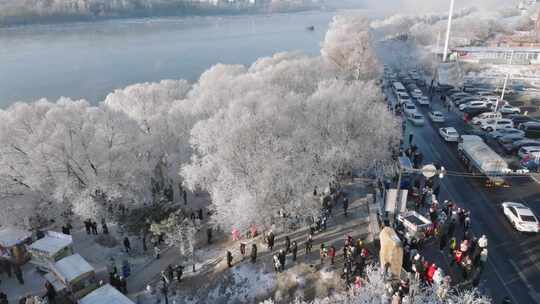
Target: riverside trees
<point>256,138</point>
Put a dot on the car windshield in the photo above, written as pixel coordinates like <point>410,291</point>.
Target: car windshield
<point>417,116</point>
<point>451,133</point>
<point>528,218</point>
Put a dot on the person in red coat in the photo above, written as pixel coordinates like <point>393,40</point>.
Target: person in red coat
<point>430,272</point>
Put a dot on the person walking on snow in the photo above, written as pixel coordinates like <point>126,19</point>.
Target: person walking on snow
<point>271,239</point>
<point>127,245</point>
<point>309,244</point>
<point>345,205</point>
<point>287,244</point>
<point>322,253</point>
<point>332,254</point>
<point>157,252</point>
<point>242,249</point>
<point>229,259</point>
<point>294,251</point>
<point>253,253</point>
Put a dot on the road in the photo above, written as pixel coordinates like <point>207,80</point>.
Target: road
<point>514,258</point>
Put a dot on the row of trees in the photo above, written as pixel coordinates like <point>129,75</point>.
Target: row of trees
<point>256,138</point>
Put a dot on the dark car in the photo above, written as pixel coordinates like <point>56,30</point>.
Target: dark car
<point>518,119</point>
<point>531,128</point>
<point>516,145</point>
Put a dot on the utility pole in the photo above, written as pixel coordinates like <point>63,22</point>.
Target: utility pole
<point>503,91</point>
<point>445,53</point>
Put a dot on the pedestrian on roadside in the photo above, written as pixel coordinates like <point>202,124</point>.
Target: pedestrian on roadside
<point>322,253</point>
<point>179,269</point>
<point>50,293</point>
<point>94,228</point>
<point>277,265</point>
<point>18,273</point>
<point>229,258</point>
<point>345,205</point>
<point>294,251</point>
<point>200,215</point>
<point>410,139</point>
<point>443,241</point>
<point>242,249</point>
<point>282,259</point>
<point>127,245</point>
<point>123,285</point>
<point>309,243</point>
<point>209,235</point>
<point>253,253</point>
<point>104,227</point>
<point>157,252</point>
<point>287,244</point>
<point>332,254</point>
<point>87,226</point>
<point>271,238</point>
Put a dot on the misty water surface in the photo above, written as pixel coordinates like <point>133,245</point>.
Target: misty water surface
<point>89,60</point>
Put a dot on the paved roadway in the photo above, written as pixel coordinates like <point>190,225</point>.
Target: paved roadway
<point>514,258</point>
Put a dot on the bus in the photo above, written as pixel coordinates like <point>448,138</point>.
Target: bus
<point>398,88</point>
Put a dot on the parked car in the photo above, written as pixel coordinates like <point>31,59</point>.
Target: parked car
<point>516,145</point>
<point>503,132</point>
<point>465,100</point>
<point>449,134</point>
<point>520,216</point>
<point>531,128</point>
<point>436,116</point>
<point>459,95</point>
<point>490,99</point>
<point>519,119</point>
<point>513,137</point>
<point>481,118</point>
<point>416,119</point>
<point>409,109</point>
<point>508,109</point>
<point>423,100</point>
<point>473,105</point>
<point>471,113</point>
<point>495,124</point>
<point>528,151</point>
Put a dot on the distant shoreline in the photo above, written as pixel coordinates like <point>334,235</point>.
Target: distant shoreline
<point>27,20</point>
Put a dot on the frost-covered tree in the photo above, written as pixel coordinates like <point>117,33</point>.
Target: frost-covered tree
<point>347,45</point>
<point>281,139</point>
<point>373,290</point>
<point>179,232</point>
<point>56,156</point>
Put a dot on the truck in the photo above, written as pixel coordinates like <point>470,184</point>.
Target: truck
<point>480,159</point>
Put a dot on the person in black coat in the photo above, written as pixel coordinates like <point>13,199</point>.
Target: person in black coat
<point>253,253</point>
<point>229,258</point>
<point>345,205</point>
<point>127,244</point>
<point>294,250</point>
<point>287,244</point>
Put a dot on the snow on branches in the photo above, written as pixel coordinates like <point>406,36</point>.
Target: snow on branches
<point>179,232</point>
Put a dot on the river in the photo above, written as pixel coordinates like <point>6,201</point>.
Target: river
<point>90,60</point>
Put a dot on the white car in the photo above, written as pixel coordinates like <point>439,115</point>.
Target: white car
<point>473,105</point>
<point>530,151</point>
<point>495,124</point>
<point>416,93</point>
<point>423,100</point>
<point>403,98</point>
<point>416,119</point>
<point>508,109</point>
<point>409,109</point>
<point>483,117</point>
<point>520,216</point>
<point>449,134</point>
<point>436,116</point>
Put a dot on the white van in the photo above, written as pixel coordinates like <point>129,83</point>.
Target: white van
<point>482,118</point>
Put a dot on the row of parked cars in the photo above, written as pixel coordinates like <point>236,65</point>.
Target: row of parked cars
<point>515,133</point>
<point>408,94</point>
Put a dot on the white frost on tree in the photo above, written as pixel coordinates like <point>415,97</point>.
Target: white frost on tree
<point>179,232</point>
<point>348,46</point>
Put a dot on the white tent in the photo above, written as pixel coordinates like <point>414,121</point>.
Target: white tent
<point>106,294</point>
<point>52,243</point>
<point>10,237</point>
<point>72,267</point>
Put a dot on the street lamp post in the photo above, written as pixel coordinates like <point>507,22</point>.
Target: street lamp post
<point>445,53</point>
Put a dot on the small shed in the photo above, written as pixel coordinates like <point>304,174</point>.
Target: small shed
<point>50,249</point>
<point>12,244</point>
<point>73,275</point>
<point>105,294</point>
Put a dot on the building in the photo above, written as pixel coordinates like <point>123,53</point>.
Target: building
<point>498,55</point>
